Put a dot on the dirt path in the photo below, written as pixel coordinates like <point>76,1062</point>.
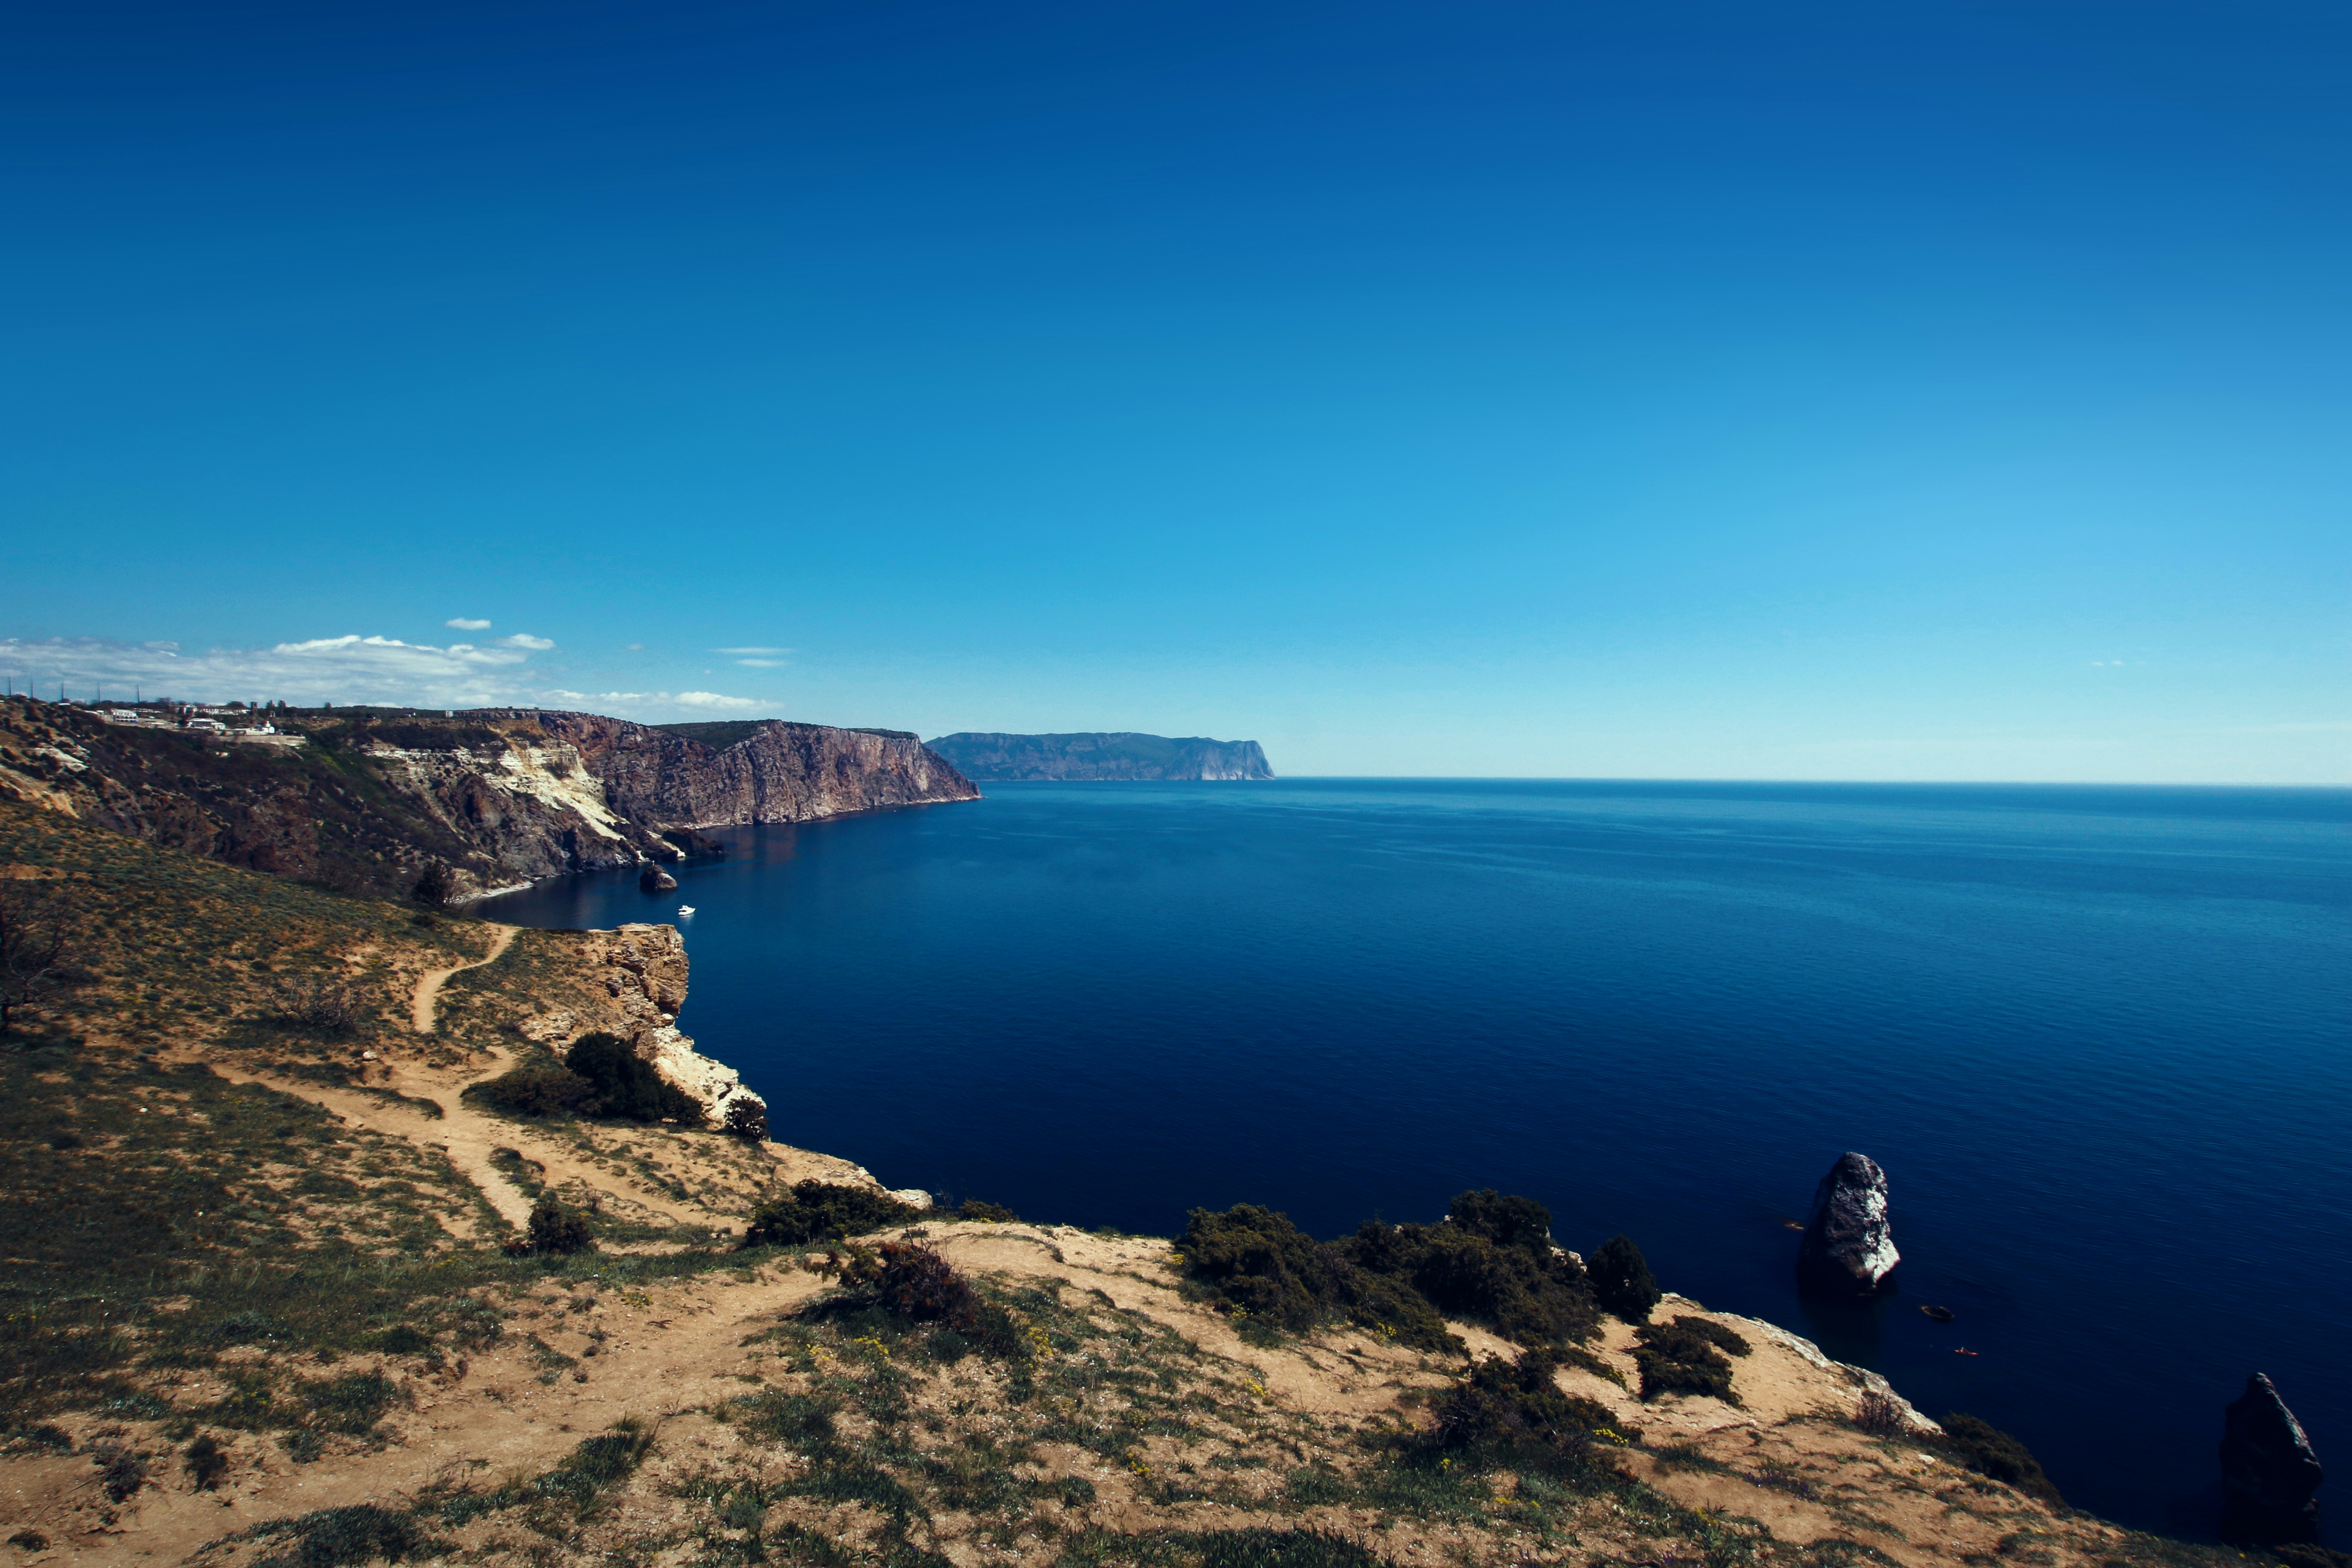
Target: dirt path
<point>429,984</point>
<point>468,1138</point>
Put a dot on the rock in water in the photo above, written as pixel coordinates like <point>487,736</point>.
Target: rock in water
<point>1848,1248</point>
<point>2268,1470</point>
<point>654,879</point>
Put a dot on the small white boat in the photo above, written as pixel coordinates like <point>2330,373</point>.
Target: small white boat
<point>685,909</point>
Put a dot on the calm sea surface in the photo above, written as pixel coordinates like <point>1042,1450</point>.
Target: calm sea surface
<point>2100,1038</point>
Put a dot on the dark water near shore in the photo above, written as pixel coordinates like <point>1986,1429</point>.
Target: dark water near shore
<point>2100,1038</point>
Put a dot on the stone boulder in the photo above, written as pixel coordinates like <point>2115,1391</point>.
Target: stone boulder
<point>2268,1470</point>
<point>654,879</point>
<point>1849,1249</point>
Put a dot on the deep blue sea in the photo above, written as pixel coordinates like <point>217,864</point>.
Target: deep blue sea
<point>2100,1038</point>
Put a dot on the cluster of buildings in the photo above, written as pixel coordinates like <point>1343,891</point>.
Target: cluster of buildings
<point>233,723</point>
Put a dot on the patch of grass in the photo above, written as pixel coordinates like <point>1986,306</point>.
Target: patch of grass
<point>339,1538</point>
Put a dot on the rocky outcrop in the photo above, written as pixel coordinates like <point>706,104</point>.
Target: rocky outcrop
<point>654,879</point>
<point>641,970</point>
<point>499,798</point>
<point>1101,756</point>
<point>2269,1472</point>
<point>1849,1247</point>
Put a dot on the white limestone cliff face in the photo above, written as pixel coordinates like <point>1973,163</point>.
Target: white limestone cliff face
<point>643,969</point>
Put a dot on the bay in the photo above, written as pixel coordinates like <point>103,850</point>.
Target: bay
<point>2098,1036</point>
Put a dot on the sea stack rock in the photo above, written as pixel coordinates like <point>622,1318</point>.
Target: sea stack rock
<point>654,879</point>
<point>1848,1248</point>
<point>2268,1470</point>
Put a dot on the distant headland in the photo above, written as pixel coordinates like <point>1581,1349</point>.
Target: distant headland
<point>1095,755</point>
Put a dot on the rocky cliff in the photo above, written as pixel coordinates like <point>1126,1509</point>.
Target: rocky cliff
<point>1123,756</point>
<point>777,773</point>
<point>642,972</point>
<point>370,798</point>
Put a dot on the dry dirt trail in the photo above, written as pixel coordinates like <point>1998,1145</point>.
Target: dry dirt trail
<point>463,1133</point>
<point>429,984</point>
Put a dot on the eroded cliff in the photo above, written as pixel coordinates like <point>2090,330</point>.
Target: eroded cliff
<point>366,801</point>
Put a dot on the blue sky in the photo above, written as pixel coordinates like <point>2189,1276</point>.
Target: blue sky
<point>1816,392</point>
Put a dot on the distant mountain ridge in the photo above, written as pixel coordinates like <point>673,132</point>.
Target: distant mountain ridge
<point>1099,755</point>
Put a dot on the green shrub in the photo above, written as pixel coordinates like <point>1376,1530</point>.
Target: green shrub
<point>540,1094</point>
<point>822,1211</point>
<point>747,1119</point>
<point>1522,1289</point>
<point>1263,1264</point>
<point>1506,1402</point>
<point>1518,1222</point>
<point>553,1228</point>
<point>911,1284</point>
<point>343,1537</point>
<point>1269,1269</point>
<point>1622,1280</point>
<point>1989,1451</point>
<point>1685,1356</point>
<point>628,1084</point>
<point>981,1209</point>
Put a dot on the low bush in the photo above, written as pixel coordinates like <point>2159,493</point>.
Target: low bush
<point>823,1211</point>
<point>1879,1415</point>
<point>912,1284</point>
<point>318,1002</point>
<point>1265,1268</point>
<point>1622,1280</point>
<point>747,1119</point>
<point>1506,1402</point>
<point>435,886</point>
<point>1685,1356</point>
<point>627,1083</point>
<point>337,1537</point>
<point>1492,1262</point>
<point>1989,1451</point>
<point>1518,1222</point>
<point>553,1228</point>
<point>122,1472</point>
<point>540,1094</point>
<point>981,1209</point>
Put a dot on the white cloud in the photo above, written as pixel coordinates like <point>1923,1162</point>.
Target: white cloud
<point>344,670</point>
<point>751,651</point>
<point>460,623</point>
<point>347,668</point>
<point>761,663</point>
<point>524,639</point>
